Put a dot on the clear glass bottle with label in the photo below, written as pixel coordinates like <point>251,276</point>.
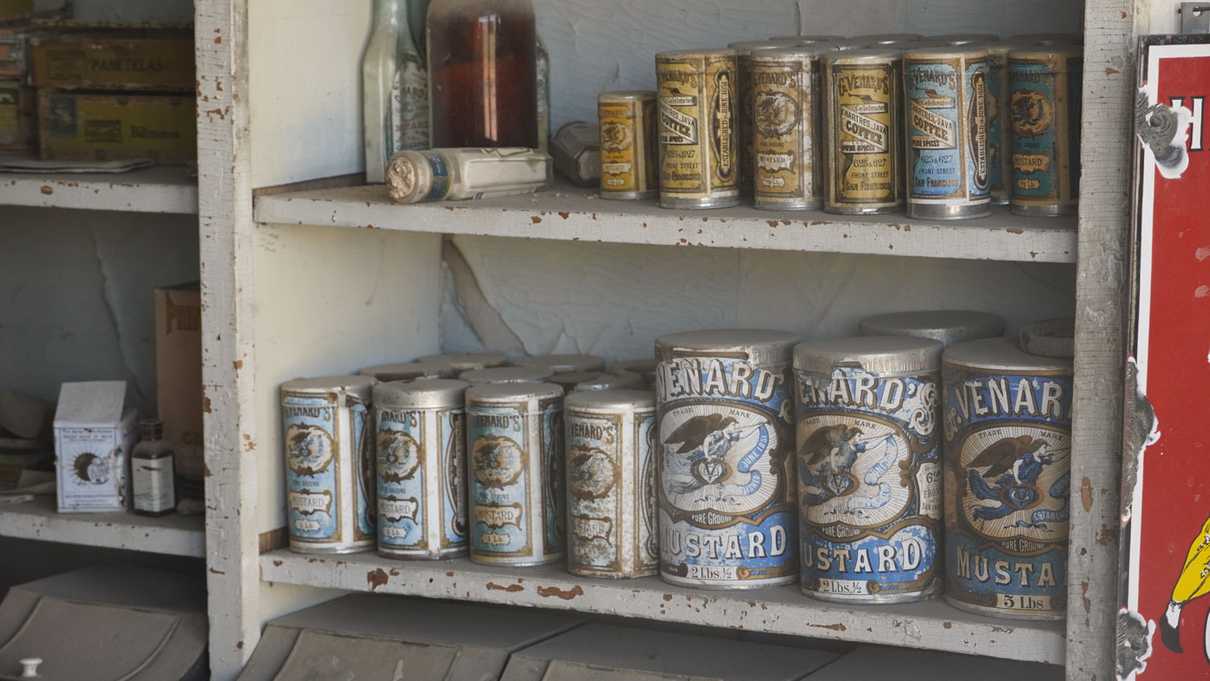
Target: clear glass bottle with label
<point>395,89</point>
<point>153,471</point>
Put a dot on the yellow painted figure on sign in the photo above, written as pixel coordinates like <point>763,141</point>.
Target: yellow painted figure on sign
<point>1193,583</point>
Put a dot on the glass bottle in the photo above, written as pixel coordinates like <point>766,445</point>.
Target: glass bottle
<point>542,61</point>
<point>483,73</point>
<point>153,471</point>
<point>395,82</point>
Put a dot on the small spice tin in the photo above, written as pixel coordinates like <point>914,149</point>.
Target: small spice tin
<point>597,380</point>
<point>611,478</point>
<point>421,448</point>
<point>329,460</point>
<point>869,468</point>
<point>468,361</point>
<point>862,123</point>
<point>699,129</point>
<point>410,371</point>
<point>727,488</point>
<point>787,160</point>
<point>507,375</point>
<point>564,364</point>
<point>1007,480</point>
<point>946,143</point>
<point>945,326</point>
<point>576,149</point>
<point>515,460</point>
<point>629,152</point>
<point>1045,91</point>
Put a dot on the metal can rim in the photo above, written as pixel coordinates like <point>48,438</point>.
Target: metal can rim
<point>611,400</point>
<point>361,386</point>
<point>439,393</point>
<point>1002,355</point>
<point>879,355</point>
<point>510,392</point>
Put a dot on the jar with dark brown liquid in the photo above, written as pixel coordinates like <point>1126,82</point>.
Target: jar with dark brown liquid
<point>482,73</point>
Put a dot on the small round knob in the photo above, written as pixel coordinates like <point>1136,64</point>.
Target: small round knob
<point>29,667</point>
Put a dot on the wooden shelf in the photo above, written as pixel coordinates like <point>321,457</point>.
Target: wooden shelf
<point>159,189</point>
<point>784,610</point>
<point>573,214</point>
<point>172,534</point>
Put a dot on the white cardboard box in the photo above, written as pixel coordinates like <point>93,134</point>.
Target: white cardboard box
<point>94,435</point>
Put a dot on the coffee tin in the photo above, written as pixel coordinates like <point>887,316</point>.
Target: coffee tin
<point>421,448</point>
<point>726,478</point>
<point>515,462</point>
<point>945,326</point>
<point>999,128</point>
<point>329,464</point>
<point>946,160</point>
<point>564,364</point>
<point>785,115</point>
<point>629,152</point>
<point>409,371</point>
<point>862,122</point>
<point>869,468</point>
<point>1007,480</point>
<point>1045,94</point>
<point>744,86</point>
<point>581,381</point>
<point>699,133</point>
<point>507,375</point>
<point>468,361</point>
<point>611,478</point>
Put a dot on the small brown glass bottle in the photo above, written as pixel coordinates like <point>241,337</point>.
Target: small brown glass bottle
<point>483,73</point>
<point>153,471</point>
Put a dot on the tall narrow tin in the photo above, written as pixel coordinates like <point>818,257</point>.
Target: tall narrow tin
<point>1045,94</point>
<point>629,154</point>
<point>785,123</point>
<point>864,132</point>
<point>999,126</point>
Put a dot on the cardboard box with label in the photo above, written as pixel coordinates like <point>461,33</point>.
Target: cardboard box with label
<point>17,123</point>
<point>108,127</point>
<point>132,60</point>
<point>94,435</point>
<point>14,57</point>
<point>178,371</point>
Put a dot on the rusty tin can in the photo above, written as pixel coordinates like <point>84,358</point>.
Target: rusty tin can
<point>1045,94</point>
<point>699,128</point>
<point>1007,480</point>
<point>862,121</point>
<point>946,142</point>
<point>507,375</point>
<point>515,461</point>
<point>611,478</point>
<point>411,371</point>
<point>468,361</point>
<point>869,468</point>
<point>629,152</point>
<point>785,121</point>
<point>582,381</point>
<point>564,364</point>
<point>329,460</point>
<point>421,448</point>
<point>726,479</point>
<point>945,326</point>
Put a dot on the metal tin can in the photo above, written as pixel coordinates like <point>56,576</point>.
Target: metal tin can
<point>507,375</point>
<point>576,150</point>
<point>645,368</point>
<point>964,39</point>
<point>597,380</point>
<point>611,507</point>
<point>421,444</point>
<point>806,39</point>
<point>886,39</point>
<point>564,364</point>
<point>727,486</point>
<point>869,468</point>
<point>629,155</point>
<point>1007,480</point>
<point>699,135</point>
<point>743,85</point>
<point>1048,39</point>
<point>329,464</point>
<point>946,160</point>
<point>1050,338</point>
<point>945,326</point>
<point>468,361</point>
<point>864,130</point>
<point>999,128</point>
<point>410,371</point>
<point>1044,104</point>
<point>515,460</point>
<point>785,122</point>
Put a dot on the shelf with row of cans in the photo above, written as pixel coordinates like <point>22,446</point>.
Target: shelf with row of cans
<point>159,189</point>
<point>175,535</point>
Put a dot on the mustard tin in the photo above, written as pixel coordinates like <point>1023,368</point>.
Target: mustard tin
<point>1045,94</point>
<point>629,153</point>
<point>787,159</point>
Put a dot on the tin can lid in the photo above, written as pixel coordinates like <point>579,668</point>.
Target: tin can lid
<point>598,380</point>
<point>880,55</point>
<point>506,375</point>
<point>409,177</point>
<point>1002,49</point>
<point>879,355</point>
<point>409,371</point>
<point>818,38</point>
<point>761,346</point>
<point>1059,54</point>
<point>642,367</point>
<point>794,53</point>
<point>627,96</point>
<point>1050,338</point>
<point>887,39</point>
<point>946,326</point>
<point>1048,38</point>
<point>933,52</point>
<point>611,400</point>
<point>1002,355</point>
<point>468,361</point>
<point>511,392</point>
<point>564,364</point>
<point>358,386</point>
<point>432,393</point>
<point>959,39</point>
<point>747,46</point>
<point>695,54</point>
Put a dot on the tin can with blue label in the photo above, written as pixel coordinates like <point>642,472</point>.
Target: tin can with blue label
<point>727,486</point>
<point>1007,417</point>
<point>515,460</point>
<point>420,438</point>
<point>1045,94</point>
<point>329,457</point>
<point>869,468</point>
<point>999,128</point>
<point>947,166</point>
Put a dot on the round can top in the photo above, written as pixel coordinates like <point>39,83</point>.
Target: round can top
<point>695,54</point>
<point>627,96</point>
<point>1002,49</point>
<point>865,56</point>
<point>760,346</point>
<point>435,393</point>
<point>1058,54</point>
<point>879,355</point>
<point>409,177</point>
<point>468,361</point>
<point>947,326</point>
<point>951,51</point>
<point>748,46</point>
<point>964,38</point>
<point>359,386</point>
<point>643,367</point>
<point>612,400</point>
<point>817,38</point>
<point>1049,38</point>
<point>887,39</point>
<point>1002,355</point>
<point>506,375</point>
<point>564,364</point>
<point>598,380</point>
<point>511,392</point>
<point>409,371</point>
<point>795,53</point>
<point>1050,338</point>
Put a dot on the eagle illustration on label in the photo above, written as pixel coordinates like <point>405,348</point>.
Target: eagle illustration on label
<point>1017,483</point>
